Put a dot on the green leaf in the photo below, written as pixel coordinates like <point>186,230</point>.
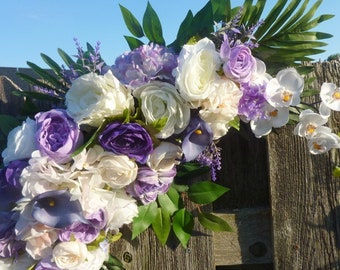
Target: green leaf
<point>221,10</point>
<point>32,80</point>
<point>52,64</point>
<point>336,171</point>
<point>131,22</point>
<point>162,225</point>
<point>206,192</point>
<point>36,95</point>
<point>152,26</point>
<point>8,123</point>
<point>47,77</point>
<point>183,223</point>
<point>146,215</point>
<point>133,42</point>
<point>235,123</point>
<point>213,222</point>
<point>66,58</point>
<point>167,204</point>
<point>202,23</point>
<point>191,169</point>
<point>159,124</point>
<point>183,34</point>
<point>113,263</point>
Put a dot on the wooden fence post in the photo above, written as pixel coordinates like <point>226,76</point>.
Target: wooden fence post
<point>304,195</point>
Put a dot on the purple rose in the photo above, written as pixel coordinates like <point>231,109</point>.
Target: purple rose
<point>239,64</point>
<point>145,63</point>
<point>150,183</point>
<point>58,135</point>
<point>129,139</point>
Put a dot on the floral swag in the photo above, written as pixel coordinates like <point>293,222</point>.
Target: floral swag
<point>111,149</point>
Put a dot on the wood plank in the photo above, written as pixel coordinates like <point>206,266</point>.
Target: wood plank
<point>305,197</point>
<point>249,242</point>
<point>146,253</point>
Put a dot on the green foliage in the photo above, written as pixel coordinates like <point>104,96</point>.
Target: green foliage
<point>213,222</point>
<point>146,216</point>
<point>162,225</point>
<point>205,192</point>
<point>334,57</point>
<point>113,263</point>
<point>183,222</point>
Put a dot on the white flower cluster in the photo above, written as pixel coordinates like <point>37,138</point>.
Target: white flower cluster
<point>312,125</point>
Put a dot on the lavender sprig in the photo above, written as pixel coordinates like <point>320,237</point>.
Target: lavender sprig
<point>211,157</point>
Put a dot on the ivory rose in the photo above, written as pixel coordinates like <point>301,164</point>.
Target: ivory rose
<point>93,97</point>
<point>197,70</point>
<point>69,255</point>
<point>160,99</point>
<point>20,142</point>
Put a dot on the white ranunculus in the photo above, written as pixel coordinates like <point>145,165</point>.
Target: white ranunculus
<point>161,99</point>
<point>20,142</point>
<point>285,89</point>
<point>39,241</point>
<point>165,157</point>
<point>93,97</point>
<point>308,122</point>
<point>275,118</point>
<point>197,70</point>
<point>323,140</point>
<point>330,96</point>
<point>221,106</point>
<point>69,255</point>
<point>94,260</point>
<point>117,171</point>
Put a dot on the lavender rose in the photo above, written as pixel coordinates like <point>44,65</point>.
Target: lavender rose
<point>57,135</point>
<point>127,139</point>
<point>239,64</point>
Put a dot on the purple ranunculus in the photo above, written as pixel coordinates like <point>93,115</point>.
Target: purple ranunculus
<point>85,233</point>
<point>198,135</point>
<point>150,183</point>
<point>129,139</point>
<point>56,209</point>
<point>9,246</point>
<point>10,187</point>
<point>58,135</point>
<point>145,63</point>
<point>239,64</point>
<point>252,103</point>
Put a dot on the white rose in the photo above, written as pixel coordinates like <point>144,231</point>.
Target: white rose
<point>39,241</point>
<point>94,260</point>
<point>161,99</point>
<point>197,69</point>
<point>93,97</point>
<point>69,255</point>
<point>20,142</point>
<point>221,106</point>
<point>165,157</point>
<point>117,170</point>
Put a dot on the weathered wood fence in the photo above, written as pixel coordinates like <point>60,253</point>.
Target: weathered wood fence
<point>284,203</point>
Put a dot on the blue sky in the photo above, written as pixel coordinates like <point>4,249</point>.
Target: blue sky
<point>39,26</point>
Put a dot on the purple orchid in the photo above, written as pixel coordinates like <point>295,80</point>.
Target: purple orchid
<point>197,137</point>
<point>56,209</point>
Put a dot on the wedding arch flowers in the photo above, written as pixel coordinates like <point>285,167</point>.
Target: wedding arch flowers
<point>111,149</point>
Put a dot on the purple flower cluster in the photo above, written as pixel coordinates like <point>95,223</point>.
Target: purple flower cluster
<point>145,63</point>
<point>252,102</point>
<point>211,157</point>
<point>150,184</point>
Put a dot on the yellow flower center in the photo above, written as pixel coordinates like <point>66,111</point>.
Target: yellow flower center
<point>51,203</point>
<point>286,96</point>
<point>336,95</point>
<point>310,129</point>
<point>198,132</point>
<point>273,113</point>
<point>316,146</point>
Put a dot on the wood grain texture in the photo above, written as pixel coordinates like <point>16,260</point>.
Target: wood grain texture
<point>305,196</point>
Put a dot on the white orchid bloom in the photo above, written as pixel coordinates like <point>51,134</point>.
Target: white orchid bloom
<point>285,89</point>
<point>330,96</point>
<point>276,117</point>
<point>323,140</point>
<point>308,123</point>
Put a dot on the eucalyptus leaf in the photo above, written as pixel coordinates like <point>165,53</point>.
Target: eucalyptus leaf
<point>213,222</point>
<point>183,223</point>
<point>162,225</point>
<point>146,215</point>
<point>206,192</point>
